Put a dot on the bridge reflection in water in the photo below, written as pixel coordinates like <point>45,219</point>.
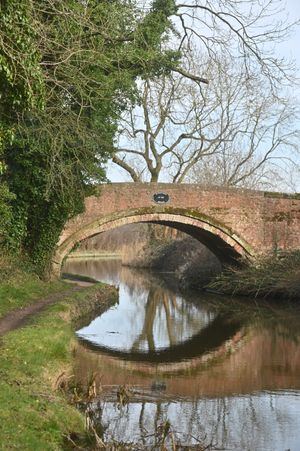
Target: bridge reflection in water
<point>215,368</point>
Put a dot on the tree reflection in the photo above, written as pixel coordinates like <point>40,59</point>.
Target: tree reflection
<point>248,422</point>
<point>166,316</point>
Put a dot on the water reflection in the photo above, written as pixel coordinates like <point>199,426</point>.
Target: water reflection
<point>151,322</point>
<point>261,422</point>
<point>146,321</point>
<point>227,371</point>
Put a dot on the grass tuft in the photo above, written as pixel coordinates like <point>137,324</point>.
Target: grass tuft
<point>271,276</point>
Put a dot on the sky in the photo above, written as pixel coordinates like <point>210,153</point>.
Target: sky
<point>290,49</point>
<point>292,46</point>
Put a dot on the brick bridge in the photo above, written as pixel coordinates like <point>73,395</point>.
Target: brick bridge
<point>230,222</point>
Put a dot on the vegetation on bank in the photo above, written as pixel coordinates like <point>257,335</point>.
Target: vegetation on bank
<point>20,286</point>
<point>271,276</point>
<point>67,71</point>
<point>35,412</point>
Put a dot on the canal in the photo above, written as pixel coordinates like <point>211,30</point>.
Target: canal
<point>196,369</point>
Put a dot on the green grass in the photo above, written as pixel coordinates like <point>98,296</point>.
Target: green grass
<point>32,415</point>
<point>24,290</point>
<point>20,286</point>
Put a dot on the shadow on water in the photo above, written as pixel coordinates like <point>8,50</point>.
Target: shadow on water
<point>218,370</point>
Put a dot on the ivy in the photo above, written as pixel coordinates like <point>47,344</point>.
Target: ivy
<point>5,212</point>
<point>21,78</point>
<point>67,71</point>
<point>21,89</point>
<point>37,221</point>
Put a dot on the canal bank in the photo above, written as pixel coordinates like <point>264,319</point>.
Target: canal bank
<point>36,365</point>
<point>275,276</point>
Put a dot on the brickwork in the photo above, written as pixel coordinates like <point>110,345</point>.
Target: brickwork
<point>230,222</point>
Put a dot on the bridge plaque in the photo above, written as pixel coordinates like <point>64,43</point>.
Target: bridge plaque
<point>161,198</point>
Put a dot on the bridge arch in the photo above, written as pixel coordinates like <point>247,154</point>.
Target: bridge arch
<point>217,237</point>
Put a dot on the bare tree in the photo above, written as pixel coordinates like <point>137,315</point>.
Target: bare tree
<point>240,29</point>
<point>234,131</point>
<point>234,169</point>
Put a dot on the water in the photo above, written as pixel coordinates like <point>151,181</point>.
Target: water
<point>216,371</point>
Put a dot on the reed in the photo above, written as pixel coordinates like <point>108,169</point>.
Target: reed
<point>268,276</point>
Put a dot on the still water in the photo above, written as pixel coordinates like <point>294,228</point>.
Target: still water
<point>216,371</point>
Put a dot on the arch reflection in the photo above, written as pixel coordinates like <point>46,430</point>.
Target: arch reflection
<point>151,322</point>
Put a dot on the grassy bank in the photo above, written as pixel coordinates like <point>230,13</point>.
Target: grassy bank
<point>24,290</point>
<point>266,277</point>
<point>19,286</point>
<point>35,414</point>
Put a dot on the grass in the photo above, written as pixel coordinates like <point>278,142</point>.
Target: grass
<point>24,291</point>
<point>19,286</point>
<point>266,277</point>
<point>33,415</point>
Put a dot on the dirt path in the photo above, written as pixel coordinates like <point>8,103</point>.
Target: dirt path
<point>20,317</point>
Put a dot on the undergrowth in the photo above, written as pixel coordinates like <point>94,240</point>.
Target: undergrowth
<point>270,276</point>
